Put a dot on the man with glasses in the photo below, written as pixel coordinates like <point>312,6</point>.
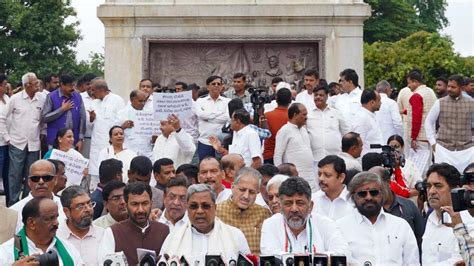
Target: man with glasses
<point>114,203</point>
<point>174,215</point>
<point>22,136</point>
<point>41,179</point>
<point>375,237</point>
<point>204,233</point>
<point>137,231</point>
<point>295,230</point>
<point>78,229</point>
<point>212,113</point>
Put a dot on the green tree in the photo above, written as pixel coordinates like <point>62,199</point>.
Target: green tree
<point>392,20</point>
<point>34,36</point>
<point>432,53</point>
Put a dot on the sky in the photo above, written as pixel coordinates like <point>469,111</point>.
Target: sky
<point>460,14</point>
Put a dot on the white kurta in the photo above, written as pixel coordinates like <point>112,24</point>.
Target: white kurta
<point>7,256</point>
<point>124,156</point>
<point>179,147</point>
<point>389,118</point>
<point>139,144</point>
<point>292,145</point>
<point>306,99</point>
<point>389,241</point>
<point>333,209</point>
<point>106,111</point>
<point>366,125</point>
<point>326,128</point>
<point>349,104</point>
<point>325,237</point>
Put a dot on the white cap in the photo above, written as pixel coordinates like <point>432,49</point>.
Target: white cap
<point>283,84</point>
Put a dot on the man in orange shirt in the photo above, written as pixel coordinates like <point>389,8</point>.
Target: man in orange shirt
<point>275,120</point>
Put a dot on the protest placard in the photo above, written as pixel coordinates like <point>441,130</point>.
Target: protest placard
<point>144,124</point>
<point>179,104</point>
<point>75,165</point>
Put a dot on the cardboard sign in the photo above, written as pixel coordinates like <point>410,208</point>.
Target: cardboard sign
<point>75,165</point>
<point>179,104</point>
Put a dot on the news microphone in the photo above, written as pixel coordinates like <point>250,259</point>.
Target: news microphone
<point>320,259</point>
<point>214,260</point>
<point>338,260</point>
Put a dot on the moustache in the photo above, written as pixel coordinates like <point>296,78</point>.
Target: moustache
<point>53,228</point>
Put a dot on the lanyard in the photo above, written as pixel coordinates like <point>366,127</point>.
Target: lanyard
<point>289,245</point>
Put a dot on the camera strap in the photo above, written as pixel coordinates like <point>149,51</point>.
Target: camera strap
<point>310,248</point>
<point>62,251</point>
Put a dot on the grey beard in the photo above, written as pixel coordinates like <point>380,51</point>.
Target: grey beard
<point>296,224</point>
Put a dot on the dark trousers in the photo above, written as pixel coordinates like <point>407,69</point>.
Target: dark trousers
<point>205,151</point>
<point>20,162</point>
<point>4,170</point>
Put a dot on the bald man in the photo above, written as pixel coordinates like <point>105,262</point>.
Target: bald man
<point>231,163</point>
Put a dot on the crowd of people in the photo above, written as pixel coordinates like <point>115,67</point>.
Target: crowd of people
<point>334,169</point>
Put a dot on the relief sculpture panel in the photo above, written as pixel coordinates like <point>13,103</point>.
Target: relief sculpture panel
<point>261,62</point>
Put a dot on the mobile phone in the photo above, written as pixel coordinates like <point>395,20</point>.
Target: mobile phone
<point>445,218</point>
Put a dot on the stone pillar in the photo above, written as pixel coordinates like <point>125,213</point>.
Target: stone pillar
<point>130,24</point>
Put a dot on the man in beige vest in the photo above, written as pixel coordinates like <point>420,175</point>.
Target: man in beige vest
<point>9,218</point>
<point>421,102</point>
<point>453,142</point>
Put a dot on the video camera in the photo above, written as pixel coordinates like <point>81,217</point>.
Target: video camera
<point>49,258</point>
<point>259,97</point>
<point>304,259</point>
<point>462,198</point>
<point>389,157</point>
<point>420,186</point>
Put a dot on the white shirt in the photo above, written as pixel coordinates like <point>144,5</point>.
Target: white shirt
<point>25,114</point>
<point>106,111</point>
<point>366,125</point>
<point>170,225</point>
<point>179,147</point>
<point>389,118</point>
<point>126,156</point>
<point>18,207</point>
<point>7,257</point>
<point>439,245</point>
<point>105,221</point>
<point>325,237</point>
<point>292,145</point>
<point>3,111</point>
<point>224,195</point>
<point>87,100</point>
<point>389,241</point>
<point>351,162</point>
<point>306,99</point>
<point>139,144</point>
<point>246,143</point>
<point>326,128</point>
<point>335,209</point>
<point>430,122</point>
<point>87,246</point>
<point>212,115</point>
<point>349,104</point>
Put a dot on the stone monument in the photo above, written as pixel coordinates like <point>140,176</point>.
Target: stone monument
<point>189,40</point>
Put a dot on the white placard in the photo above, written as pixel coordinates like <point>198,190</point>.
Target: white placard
<point>419,157</point>
<point>179,104</point>
<point>75,165</point>
<point>144,124</point>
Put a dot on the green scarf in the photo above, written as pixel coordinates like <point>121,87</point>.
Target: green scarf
<point>65,257</point>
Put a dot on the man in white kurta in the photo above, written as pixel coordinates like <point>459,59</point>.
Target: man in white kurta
<point>348,103</point>
<point>131,118</point>
<point>374,236</point>
<point>306,97</point>
<point>295,230</point>
<point>204,233</point>
<point>292,145</point>
<point>326,126</point>
<point>388,117</point>
<point>103,115</point>
<point>365,122</point>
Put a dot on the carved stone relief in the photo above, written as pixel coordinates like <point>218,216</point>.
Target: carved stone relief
<point>261,62</point>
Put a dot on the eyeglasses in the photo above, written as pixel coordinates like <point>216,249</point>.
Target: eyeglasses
<point>204,206</point>
<point>46,178</point>
<point>373,193</point>
<point>81,207</point>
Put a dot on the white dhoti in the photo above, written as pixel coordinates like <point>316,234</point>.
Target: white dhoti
<point>458,159</point>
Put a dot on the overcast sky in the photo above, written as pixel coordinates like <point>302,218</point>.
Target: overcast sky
<point>460,14</point>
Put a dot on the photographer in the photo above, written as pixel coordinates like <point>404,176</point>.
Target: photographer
<point>38,236</point>
<point>463,222</point>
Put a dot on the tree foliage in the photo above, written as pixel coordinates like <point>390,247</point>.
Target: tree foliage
<point>392,20</point>
<point>430,52</point>
<point>35,36</point>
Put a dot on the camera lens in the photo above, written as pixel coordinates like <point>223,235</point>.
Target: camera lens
<point>290,262</point>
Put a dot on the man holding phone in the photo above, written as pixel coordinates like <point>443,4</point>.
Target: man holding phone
<point>439,243</point>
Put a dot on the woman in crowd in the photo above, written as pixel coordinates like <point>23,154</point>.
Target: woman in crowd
<point>117,151</point>
<point>406,173</point>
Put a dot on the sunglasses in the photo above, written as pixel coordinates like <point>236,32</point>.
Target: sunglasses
<point>373,193</point>
<point>46,178</point>
<point>195,206</point>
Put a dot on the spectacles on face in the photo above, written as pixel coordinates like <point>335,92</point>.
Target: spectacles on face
<point>372,192</point>
<point>81,207</point>
<point>204,206</point>
<point>46,178</point>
